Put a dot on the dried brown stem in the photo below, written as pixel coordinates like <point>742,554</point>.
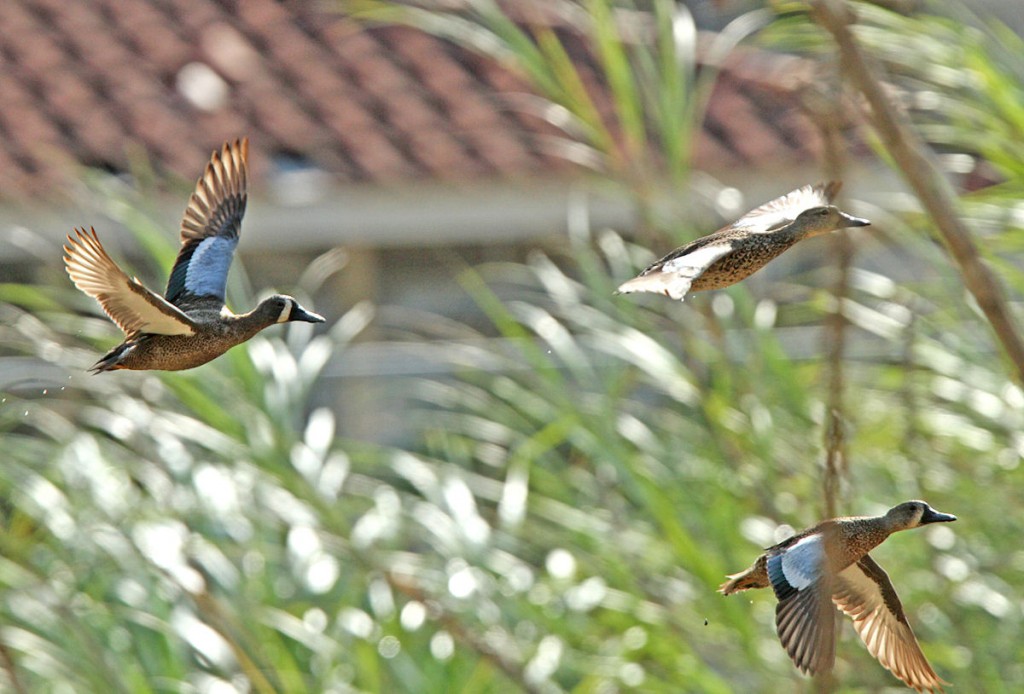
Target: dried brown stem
<point>918,166</point>
<point>215,617</point>
<point>11,670</point>
<point>823,106</point>
<point>824,109</point>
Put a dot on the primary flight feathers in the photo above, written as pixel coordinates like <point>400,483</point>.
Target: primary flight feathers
<point>129,304</point>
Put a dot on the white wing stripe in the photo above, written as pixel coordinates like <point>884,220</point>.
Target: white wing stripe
<point>694,264</point>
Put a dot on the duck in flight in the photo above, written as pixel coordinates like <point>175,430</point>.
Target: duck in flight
<point>740,249</point>
<point>830,563</point>
<point>190,324</point>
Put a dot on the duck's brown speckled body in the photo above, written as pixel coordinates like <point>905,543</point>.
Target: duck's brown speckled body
<point>740,249</point>
<point>213,337</point>
<point>190,325</point>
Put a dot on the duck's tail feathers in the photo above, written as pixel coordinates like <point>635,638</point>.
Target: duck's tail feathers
<point>111,361</point>
<point>668,283</point>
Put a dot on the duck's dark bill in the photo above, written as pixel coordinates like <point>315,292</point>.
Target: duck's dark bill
<point>852,221</point>
<point>933,516</point>
<point>299,313</point>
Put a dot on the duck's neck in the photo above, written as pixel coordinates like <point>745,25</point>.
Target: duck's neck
<point>248,324</point>
<point>801,234</point>
<point>858,536</point>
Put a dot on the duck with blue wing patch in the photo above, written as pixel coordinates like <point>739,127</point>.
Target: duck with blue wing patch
<point>829,564</point>
<point>190,324</point>
<point>740,249</point>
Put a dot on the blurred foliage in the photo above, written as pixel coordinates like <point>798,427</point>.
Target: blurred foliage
<point>619,81</point>
<point>581,488</point>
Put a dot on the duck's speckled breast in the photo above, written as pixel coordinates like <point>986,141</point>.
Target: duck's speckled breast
<point>847,540</point>
<point>749,254</point>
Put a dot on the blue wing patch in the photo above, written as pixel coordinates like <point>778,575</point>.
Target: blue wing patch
<point>780,585</point>
<point>205,271</point>
<point>797,567</point>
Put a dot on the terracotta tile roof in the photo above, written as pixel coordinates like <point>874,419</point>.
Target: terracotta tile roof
<point>82,80</point>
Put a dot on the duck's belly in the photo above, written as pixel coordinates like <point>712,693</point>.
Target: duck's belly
<point>739,264</point>
<point>174,352</point>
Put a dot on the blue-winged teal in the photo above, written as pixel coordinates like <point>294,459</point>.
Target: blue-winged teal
<point>740,249</point>
<point>189,325</point>
<point>829,563</point>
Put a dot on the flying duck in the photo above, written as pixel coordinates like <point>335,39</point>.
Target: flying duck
<point>828,564</point>
<point>190,324</point>
<point>740,249</point>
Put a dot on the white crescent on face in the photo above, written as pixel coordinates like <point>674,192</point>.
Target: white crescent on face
<point>286,312</point>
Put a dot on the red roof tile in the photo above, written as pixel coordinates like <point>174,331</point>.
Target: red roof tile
<point>84,79</point>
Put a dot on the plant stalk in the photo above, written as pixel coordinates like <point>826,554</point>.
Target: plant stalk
<point>921,171</point>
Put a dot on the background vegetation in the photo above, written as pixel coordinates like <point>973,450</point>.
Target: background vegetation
<point>577,497</point>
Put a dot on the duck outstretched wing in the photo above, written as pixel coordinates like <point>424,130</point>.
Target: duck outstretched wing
<point>864,592</point>
<point>673,274</point>
<point>133,307</point>
<point>804,618</point>
<point>210,228</point>
<point>779,212</point>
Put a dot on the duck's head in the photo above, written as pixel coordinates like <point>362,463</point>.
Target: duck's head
<point>815,221</point>
<point>284,309</point>
<point>912,514</point>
